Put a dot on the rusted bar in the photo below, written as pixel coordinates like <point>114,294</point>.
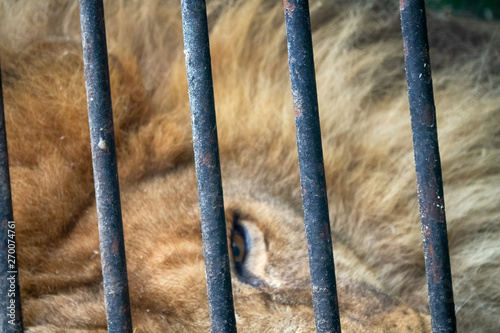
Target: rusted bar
<point>208,174</point>
<point>114,269</point>
<point>10,297</point>
<point>312,171</point>
<point>427,165</point>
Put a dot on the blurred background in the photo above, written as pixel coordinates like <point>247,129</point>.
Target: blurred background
<point>483,9</point>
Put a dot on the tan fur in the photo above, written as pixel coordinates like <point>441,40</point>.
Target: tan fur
<point>368,160</point>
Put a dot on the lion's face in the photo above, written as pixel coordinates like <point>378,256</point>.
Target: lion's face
<point>166,268</point>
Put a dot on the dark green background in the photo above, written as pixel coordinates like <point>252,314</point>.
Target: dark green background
<point>484,9</point>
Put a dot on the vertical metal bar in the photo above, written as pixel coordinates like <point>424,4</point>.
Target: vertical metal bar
<point>427,165</point>
<point>114,269</point>
<point>208,174</point>
<point>10,297</point>
<point>312,171</point>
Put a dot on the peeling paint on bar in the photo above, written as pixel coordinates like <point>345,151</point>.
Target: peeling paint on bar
<point>208,174</point>
<point>312,171</point>
<point>112,247</point>
<point>11,317</point>
<point>428,165</point>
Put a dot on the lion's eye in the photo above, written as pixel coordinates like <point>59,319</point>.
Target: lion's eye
<point>239,245</point>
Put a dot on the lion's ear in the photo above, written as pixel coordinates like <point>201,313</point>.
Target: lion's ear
<point>152,118</point>
<point>161,145</point>
<point>150,137</point>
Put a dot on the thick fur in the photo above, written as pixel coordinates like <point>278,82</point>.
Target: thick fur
<point>367,149</point>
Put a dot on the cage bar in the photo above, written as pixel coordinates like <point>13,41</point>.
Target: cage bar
<point>312,170</point>
<point>11,320</point>
<point>427,165</point>
<point>208,174</point>
<point>112,247</point>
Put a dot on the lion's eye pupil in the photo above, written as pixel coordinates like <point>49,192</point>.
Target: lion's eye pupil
<point>238,244</point>
<point>236,250</point>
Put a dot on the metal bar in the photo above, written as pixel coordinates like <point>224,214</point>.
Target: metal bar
<point>10,297</point>
<point>312,171</point>
<point>208,174</point>
<point>427,165</point>
<point>114,269</point>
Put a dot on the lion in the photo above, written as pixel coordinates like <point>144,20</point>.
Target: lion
<point>368,157</point>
